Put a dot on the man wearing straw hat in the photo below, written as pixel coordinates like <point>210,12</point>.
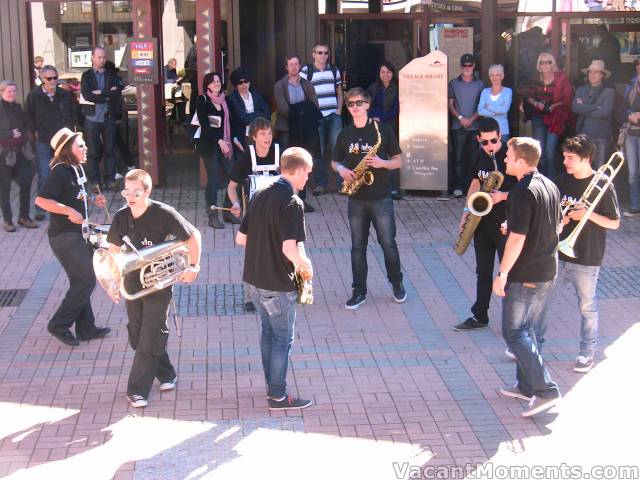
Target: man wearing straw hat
<point>64,195</point>
<point>593,104</point>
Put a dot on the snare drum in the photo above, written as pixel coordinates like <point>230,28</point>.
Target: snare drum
<point>260,182</point>
<point>98,235</point>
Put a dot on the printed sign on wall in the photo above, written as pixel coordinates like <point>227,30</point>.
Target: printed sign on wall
<point>143,61</point>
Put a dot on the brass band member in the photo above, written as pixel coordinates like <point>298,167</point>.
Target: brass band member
<point>372,203</point>
<point>64,195</point>
<point>144,223</point>
<point>487,239</point>
<point>272,231</point>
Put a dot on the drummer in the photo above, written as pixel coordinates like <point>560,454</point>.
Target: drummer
<point>262,157</point>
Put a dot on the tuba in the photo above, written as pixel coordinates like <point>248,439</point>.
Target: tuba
<point>364,176</point>
<point>160,266</point>
<point>600,183</point>
<point>479,204</point>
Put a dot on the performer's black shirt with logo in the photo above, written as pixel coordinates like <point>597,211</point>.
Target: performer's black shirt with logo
<point>62,186</point>
<point>533,209</point>
<point>243,168</point>
<point>589,247</point>
<point>352,145</point>
<point>482,167</point>
<point>275,214</point>
<point>159,223</point>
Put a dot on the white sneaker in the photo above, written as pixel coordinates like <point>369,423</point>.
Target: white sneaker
<point>509,354</point>
<point>137,401</point>
<point>457,193</point>
<point>583,364</point>
<point>168,385</point>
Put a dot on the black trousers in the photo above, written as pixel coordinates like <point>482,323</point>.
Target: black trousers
<point>22,172</point>
<point>148,335</point>
<point>76,258</point>
<point>487,241</point>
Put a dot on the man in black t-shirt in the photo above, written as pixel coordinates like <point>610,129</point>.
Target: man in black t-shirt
<point>372,203</point>
<point>487,239</point>
<point>582,271</point>
<point>273,232</point>
<point>527,271</point>
<point>145,223</point>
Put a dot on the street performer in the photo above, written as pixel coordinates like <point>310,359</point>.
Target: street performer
<point>64,195</point>
<point>144,223</point>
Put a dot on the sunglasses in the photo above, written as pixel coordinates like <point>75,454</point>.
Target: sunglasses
<point>358,103</point>
<point>50,78</point>
<point>545,62</point>
<point>132,193</point>
<point>323,52</point>
<point>468,65</point>
<point>493,141</point>
<point>242,82</point>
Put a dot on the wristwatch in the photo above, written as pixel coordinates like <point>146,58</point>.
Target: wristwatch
<point>502,275</point>
<point>460,117</point>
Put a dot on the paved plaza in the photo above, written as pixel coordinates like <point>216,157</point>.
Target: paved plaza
<point>397,393</point>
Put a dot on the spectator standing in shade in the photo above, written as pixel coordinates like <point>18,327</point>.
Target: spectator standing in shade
<point>385,108</point>
<point>38,61</point>
<point>464,94</point>
<point>593,104</point>
<point>327,83</point>
<point>49,108</point>
<point>170,73</point>
<point>632,142</point>
<point>495,101</point>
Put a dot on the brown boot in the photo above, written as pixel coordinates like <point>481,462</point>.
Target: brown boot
<point>27,222</point>
<point>9,227</point>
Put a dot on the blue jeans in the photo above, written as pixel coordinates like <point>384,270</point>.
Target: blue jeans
<point>548,145</point>
<point>328,129</point>
<point>101,140</point>
<point>601,154</point>
<point>44,154</point>
<point>522,308</point>
<point>584,279</point>
<point>632,156</point>
<point>278,315</point>
<point>464,147</point>
<point>361,214</point>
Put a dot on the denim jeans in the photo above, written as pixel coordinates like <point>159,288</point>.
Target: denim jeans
<point>328,129</point>
<point>548,144</point>
<point>632,156</point>
<point>101,140</point>
<point>522,308</point>
<point>601,154</point>
<point>44,154</point>
<point>464,146</point>
<point>584,279</point>
<point>278,315</point>
<point>218,168</point>
<point>361,214</point>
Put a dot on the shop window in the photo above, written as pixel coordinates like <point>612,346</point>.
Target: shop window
<point>523,6</point>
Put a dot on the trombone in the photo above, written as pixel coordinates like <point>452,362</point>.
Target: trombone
<point>600,182</point>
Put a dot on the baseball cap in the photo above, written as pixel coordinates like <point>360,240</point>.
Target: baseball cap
<point>467,58</point>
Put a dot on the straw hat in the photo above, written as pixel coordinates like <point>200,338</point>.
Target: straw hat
<point>597,65</point>
<point>60,139</point>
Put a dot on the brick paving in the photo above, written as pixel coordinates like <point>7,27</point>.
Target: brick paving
<point>397,392</point>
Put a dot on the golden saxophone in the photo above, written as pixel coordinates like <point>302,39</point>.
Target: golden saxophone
<point>364,176</point>
<point>479,204</point>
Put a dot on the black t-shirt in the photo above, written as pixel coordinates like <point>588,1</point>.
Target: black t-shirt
<point>589,247</point>
<point>482,167</point>
<point>243,167</point>
<point>352,145</point>
<point>159,223</point>
<point>62,186</point>
<point>533,209</point>
<point>275,214</point>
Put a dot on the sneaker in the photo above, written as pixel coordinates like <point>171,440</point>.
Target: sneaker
<point>538,405</point>
<point>470,323</point>
<point>308,208</point>
<point>97,332</point>
<point>510,354</point>
<point>355,301</point>
<point>583,364</point>
<point>457,193</point>
<point>443,197</point>
<point>289,403</point>
<point>215,222</point>
<point>166,386</point>
<point>319,190</point>
<point>632,212</point>
<point>27,222</point>
<point>249,307</point>
<point>399,293</point>
<point>65,337</point>
<point>137,401</point>
<point>9,227</point>
<point>514,392</point>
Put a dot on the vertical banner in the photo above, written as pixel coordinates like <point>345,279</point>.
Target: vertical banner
<point>423,123</point>
<point>143,61</point>
<point>455,42</point>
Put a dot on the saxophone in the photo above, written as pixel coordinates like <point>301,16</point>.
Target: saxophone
<point>479,204</point>
<point>364,176</point>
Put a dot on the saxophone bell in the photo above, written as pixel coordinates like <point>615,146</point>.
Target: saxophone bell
<point>480,203</point>
<point>368,177</point>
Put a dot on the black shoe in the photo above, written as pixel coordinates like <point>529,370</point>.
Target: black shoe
<point>39,216</point>
<point>231,218</point>
<point>470,323</point>
<point>355,301</point>
<point>214,222</point>
<point>289,403</point>
<point>249,307</point>
<point>308,208</point>
<point>397,195</point>
<point>319,190</point>
<point>98,332</point>
<point>65,337</point>
<point>399,293</point>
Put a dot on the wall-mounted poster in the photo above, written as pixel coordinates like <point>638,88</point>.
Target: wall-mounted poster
<point>79,58</point>
<point>143,61</point>
<point>455,42</point>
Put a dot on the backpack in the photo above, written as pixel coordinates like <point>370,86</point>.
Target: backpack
<point>309,67</point>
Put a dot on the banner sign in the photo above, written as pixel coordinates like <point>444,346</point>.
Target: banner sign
<point>143,61</point>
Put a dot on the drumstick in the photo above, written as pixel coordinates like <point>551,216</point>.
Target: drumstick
<point>213,207</point>
<point>105,205</point>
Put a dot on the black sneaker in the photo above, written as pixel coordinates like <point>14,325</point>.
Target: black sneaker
<point>97,332</point>
<point>355,301</point>
<point>399,293</point>
<point>249,307</point>
<point>470,323</point>
<point>137,401</point>
<point>65,337</point>
<point>289,403</point>
<point>308,208</point>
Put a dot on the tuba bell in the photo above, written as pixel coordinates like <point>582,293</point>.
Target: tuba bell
<point>160,266</point>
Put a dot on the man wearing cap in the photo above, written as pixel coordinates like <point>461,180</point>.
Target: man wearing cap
<point>464,94</point>
<point>593,104</point>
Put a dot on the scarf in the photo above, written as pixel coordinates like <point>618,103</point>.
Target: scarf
<point>226,131</point>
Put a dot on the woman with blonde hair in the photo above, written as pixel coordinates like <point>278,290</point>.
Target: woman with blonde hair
<point>549,107</point>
